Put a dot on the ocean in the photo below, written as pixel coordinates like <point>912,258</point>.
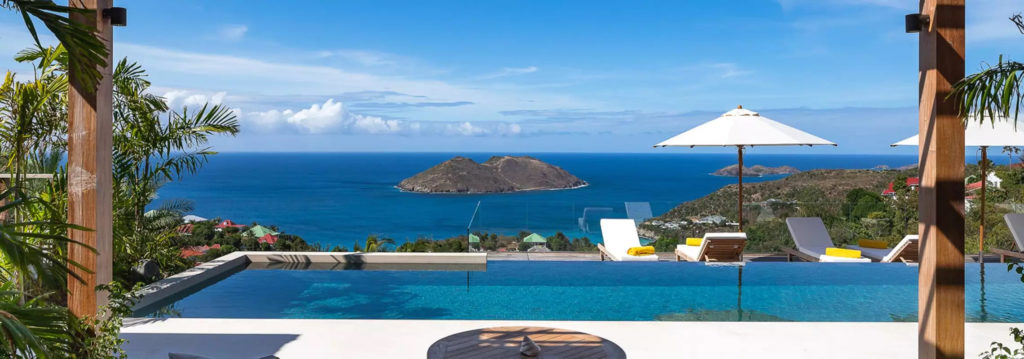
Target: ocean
<point>340,198</point>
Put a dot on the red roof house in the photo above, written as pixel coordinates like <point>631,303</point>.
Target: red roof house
<point>228,223</point>
<point>912,182</point>
<point>268,239</point>
<point>185,228</point>
<point>973,186</point>
<point>194,251</point>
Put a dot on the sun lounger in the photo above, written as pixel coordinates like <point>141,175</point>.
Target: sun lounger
<point>1016,223</point>
<point>619,236</point>
<point>715,247</point>
<point>812,240</point>
<point>905,251</point>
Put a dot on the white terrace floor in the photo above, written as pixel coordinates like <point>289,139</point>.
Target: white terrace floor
<point>313,338</point>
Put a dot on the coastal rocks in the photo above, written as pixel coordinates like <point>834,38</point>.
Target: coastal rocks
<point>497,175</point>
<point>756,171</point>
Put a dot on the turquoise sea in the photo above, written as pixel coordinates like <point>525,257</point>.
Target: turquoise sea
<point>338,198</point>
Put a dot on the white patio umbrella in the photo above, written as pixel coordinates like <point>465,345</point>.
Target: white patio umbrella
<point>743,128</point>
<point>1000,132</point>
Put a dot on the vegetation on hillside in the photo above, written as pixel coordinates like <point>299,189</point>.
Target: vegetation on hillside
<point>848,201</point>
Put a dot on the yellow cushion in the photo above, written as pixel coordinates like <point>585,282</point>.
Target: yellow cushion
<point>640,251</point>
<point>842,252</point>
<point>870,243</point>
<point>694,241</point>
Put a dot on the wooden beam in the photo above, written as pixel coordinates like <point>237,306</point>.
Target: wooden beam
<point>90,182</point>
<point>941,195</point>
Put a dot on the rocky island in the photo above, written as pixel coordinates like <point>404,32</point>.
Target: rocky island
<point>756,171</point>
<point>499,174</point>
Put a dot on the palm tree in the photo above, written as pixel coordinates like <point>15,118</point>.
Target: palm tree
<point>86,52</point>
<point>994,92</point>
<point>154,145</point>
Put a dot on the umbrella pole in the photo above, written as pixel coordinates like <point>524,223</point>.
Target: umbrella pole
<point>739,154</point>
<point>984,183</point>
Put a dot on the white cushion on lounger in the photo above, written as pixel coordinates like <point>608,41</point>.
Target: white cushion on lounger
<point>872,253</point>
<point>834,259</point>
<point>885,255</point>
<point>690,251</point>
<point>619,236</point>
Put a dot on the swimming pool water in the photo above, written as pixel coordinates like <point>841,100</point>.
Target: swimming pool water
<point>520,290</point>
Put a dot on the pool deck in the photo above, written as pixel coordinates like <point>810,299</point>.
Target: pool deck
<point>325,338</point>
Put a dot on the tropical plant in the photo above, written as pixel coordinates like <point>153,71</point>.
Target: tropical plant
<point>33,117</point>
<point>87,52</point>
<point>30,251</point>
<point>154,145</point>
<point>30,328</point>
<point>378,244</point>
<point>995,91</point>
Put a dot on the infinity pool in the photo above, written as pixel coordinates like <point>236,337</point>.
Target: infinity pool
<point>521,290</point>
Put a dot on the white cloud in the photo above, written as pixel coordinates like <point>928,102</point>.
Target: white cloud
<point>177,98</point>
<point>375,125</point>
<point>232,32</point>
<point>510,71</point>
<point>464,129</point>
<point>317,118</point>
<point>331,117</point>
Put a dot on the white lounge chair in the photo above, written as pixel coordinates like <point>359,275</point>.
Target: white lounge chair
<point>905,251</point>
<point>619,236</point>
<point>715,247</point>
<point>811,240</point>
<point>1016,223</point>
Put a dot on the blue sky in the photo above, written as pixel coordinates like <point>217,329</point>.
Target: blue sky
<point>532,76</point>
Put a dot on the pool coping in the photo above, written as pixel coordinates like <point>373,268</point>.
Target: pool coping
<point>200,274</point>
<point>382,338</point>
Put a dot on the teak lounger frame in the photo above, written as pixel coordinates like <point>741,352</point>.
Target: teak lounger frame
<point>717,250</point>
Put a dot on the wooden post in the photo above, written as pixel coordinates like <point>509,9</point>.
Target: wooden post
<point>90,175</point>
<point>984,185</point>
<point>739,153</point>
<point>941,196</point>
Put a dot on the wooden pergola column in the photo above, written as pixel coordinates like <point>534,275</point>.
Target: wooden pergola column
<point>941,196</point>
<point>90,175</point>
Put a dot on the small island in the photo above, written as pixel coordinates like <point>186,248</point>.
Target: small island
<point>499,174</point>
<point>756,171</point>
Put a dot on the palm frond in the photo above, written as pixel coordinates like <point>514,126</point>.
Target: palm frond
<point>86,52</point>
<point>992,93</point>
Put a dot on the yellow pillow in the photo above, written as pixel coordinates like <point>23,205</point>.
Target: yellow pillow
<point>842,252</point>
<point>871,243</point>
<point>640,251</point>
<point>694,241</point>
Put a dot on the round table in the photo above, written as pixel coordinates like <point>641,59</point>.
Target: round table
<point>503,342</point>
